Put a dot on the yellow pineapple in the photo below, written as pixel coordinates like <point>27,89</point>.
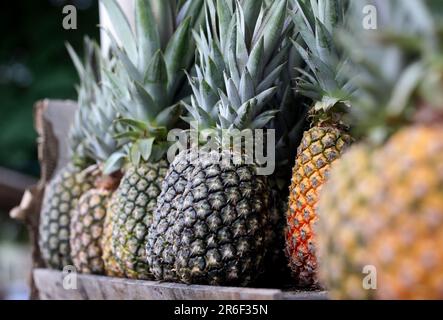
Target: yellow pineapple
<point>328,137</point>
<point>384,208</point>
<point>381,213</point>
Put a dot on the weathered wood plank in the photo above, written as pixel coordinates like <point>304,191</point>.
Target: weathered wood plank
<point>52,120</point>
<point>304,295</point>
<point>50,286</point>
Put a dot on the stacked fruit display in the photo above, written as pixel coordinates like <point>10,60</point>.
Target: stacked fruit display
<point>363,105</point>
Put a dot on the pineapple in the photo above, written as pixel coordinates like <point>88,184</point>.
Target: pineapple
<point>327,85</point>
<point>383,204</point>
<point>111,266</point>
<point>87,228</point>
<point>212,220</point>
<point>154,59</point>
<point>63,192</point>
<point>87,221</point>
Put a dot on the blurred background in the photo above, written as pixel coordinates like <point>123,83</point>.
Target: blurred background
<point>34,65</point>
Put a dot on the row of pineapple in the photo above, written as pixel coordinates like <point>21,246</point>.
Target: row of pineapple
<point>356,104</point>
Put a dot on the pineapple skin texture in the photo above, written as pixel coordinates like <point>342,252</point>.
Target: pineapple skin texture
<point>136,201</point>
<point>86,231</point>
<point>214,228</point>
<point>161,247</point>
<point>319,149</point>
<point>342,221</point>
<point>392,219</point>
<point>59,203</point>
<point>111,267</point>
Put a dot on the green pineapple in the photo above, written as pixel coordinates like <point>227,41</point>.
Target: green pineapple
<point>212,222</point>
<point>154,59</point>
<point>111,266</point>
<point>87,221</point>
<point>63,192</point>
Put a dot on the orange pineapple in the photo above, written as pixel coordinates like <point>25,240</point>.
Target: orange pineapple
<point>382,207</point>
<point>327,139</point>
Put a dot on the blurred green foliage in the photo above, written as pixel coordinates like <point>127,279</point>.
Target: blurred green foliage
<point>34,65</point>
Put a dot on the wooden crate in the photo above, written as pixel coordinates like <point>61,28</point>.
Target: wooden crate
<point>52,120</point>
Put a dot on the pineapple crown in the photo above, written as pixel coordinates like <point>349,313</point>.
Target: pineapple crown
<point>240,59</point>
<point>89,76</point>
<point>101,141</point>
<point>96,113</point>
<point>399,65</point>
<point>154,58</point>
<point>326,80</point>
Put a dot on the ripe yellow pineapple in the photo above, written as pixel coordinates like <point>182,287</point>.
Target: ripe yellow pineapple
<point>328,136</point>
<point>319,149</point>
<point>382,209</point>
<point>343,220</point>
